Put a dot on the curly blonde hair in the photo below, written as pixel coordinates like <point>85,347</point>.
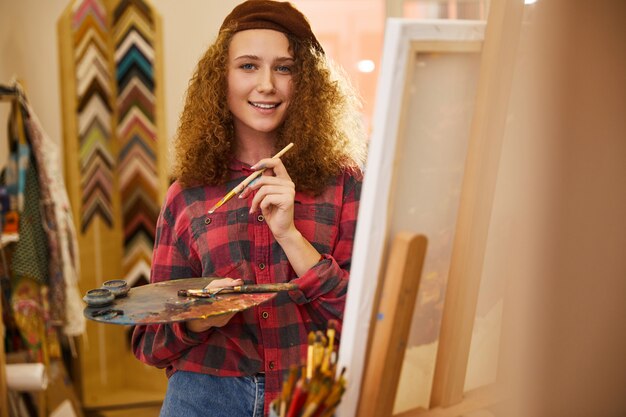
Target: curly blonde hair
<point>323,121</point>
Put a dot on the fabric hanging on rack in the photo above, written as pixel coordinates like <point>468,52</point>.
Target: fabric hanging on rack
<point>47,247</point>
<point>28,312</point>
<point>15,174</point>
<point>29,266</point>
<point>30,257</point>
<point>59,226</point>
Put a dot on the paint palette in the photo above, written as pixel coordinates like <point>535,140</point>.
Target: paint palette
<point>160,303</point>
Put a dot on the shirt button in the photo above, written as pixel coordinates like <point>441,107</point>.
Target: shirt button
<point>261,266</point>
<point>265,314</point>
<point>260,217</point>
<point>271,364</point>
<point>207,220</point>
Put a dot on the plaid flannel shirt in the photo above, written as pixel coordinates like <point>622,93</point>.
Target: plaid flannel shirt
<point>233,243</point>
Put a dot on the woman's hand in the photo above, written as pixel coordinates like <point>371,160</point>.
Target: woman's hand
<point>275,197</point>
<point>202,325</point>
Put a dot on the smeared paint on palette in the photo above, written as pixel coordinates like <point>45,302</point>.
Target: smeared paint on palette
<point>160,303</point>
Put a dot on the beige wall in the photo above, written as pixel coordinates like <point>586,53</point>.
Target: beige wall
<point>567,259</point>
<point>29,52</point>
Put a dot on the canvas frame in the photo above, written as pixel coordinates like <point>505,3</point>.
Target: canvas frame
<point>404,40</point>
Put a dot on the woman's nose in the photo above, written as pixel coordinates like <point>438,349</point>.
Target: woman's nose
<point>265,82</point>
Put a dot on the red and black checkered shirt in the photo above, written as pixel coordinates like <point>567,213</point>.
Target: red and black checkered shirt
<point>231,242</point>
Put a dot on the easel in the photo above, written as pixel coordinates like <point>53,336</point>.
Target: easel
<point>393,322</point>
<point>497,58</point>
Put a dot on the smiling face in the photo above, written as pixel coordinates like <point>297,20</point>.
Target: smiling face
<point>259,81</point>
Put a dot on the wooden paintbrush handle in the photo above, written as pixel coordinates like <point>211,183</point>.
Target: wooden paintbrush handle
<point>262,288</point>
<point>249,288</point>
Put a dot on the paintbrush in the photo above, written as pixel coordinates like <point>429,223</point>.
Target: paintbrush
<point>275,405</point>
<point>309,358</point>
<point>330,405</point>
<point>316,399</point>
<point>243,184</point>
<point>319,349</point>
<point>287,390</point>
<point>328,353</point>
<point>208,292</point>
<point>333,399</point>
<point>300,394</point>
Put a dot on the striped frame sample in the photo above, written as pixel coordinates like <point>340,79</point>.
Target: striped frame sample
<point>134,37</point>
<point>90,30</point>
<point>114,59</point>
<point>115,160</point>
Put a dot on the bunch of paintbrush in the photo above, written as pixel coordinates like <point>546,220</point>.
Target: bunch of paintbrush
<point>313,390</point>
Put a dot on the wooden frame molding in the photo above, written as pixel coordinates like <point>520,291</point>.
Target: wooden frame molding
<point>481,169</point>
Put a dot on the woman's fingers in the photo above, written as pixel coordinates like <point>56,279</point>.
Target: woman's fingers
<point>274,200</point>
<point>266,180</point>
<point>275,195</point>
<point>225,282</point>
<point>282,195</point>
<point>202,325</point>
<point>272,164</point>
<point>222,320</point>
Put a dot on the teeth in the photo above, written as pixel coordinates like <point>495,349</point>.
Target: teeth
<point>264,106</point>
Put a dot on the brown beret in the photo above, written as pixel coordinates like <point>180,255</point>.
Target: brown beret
<point>275,15</point>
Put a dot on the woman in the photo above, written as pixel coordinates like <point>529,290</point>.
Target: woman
<point>264,83</point>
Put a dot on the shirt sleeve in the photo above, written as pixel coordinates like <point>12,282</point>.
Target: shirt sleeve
<point>173,258</point>
<point>323,288</point>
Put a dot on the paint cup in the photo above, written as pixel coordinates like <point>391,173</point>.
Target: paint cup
<point>118,287</point>
<point>99,297</point>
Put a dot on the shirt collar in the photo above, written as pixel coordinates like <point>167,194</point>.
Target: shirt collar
<point>238,166</point>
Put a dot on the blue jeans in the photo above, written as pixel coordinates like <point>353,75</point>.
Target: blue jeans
<point>191,394</point>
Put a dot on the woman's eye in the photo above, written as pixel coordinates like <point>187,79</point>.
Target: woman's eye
<point>247,66</point>
<point>283,68</point>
